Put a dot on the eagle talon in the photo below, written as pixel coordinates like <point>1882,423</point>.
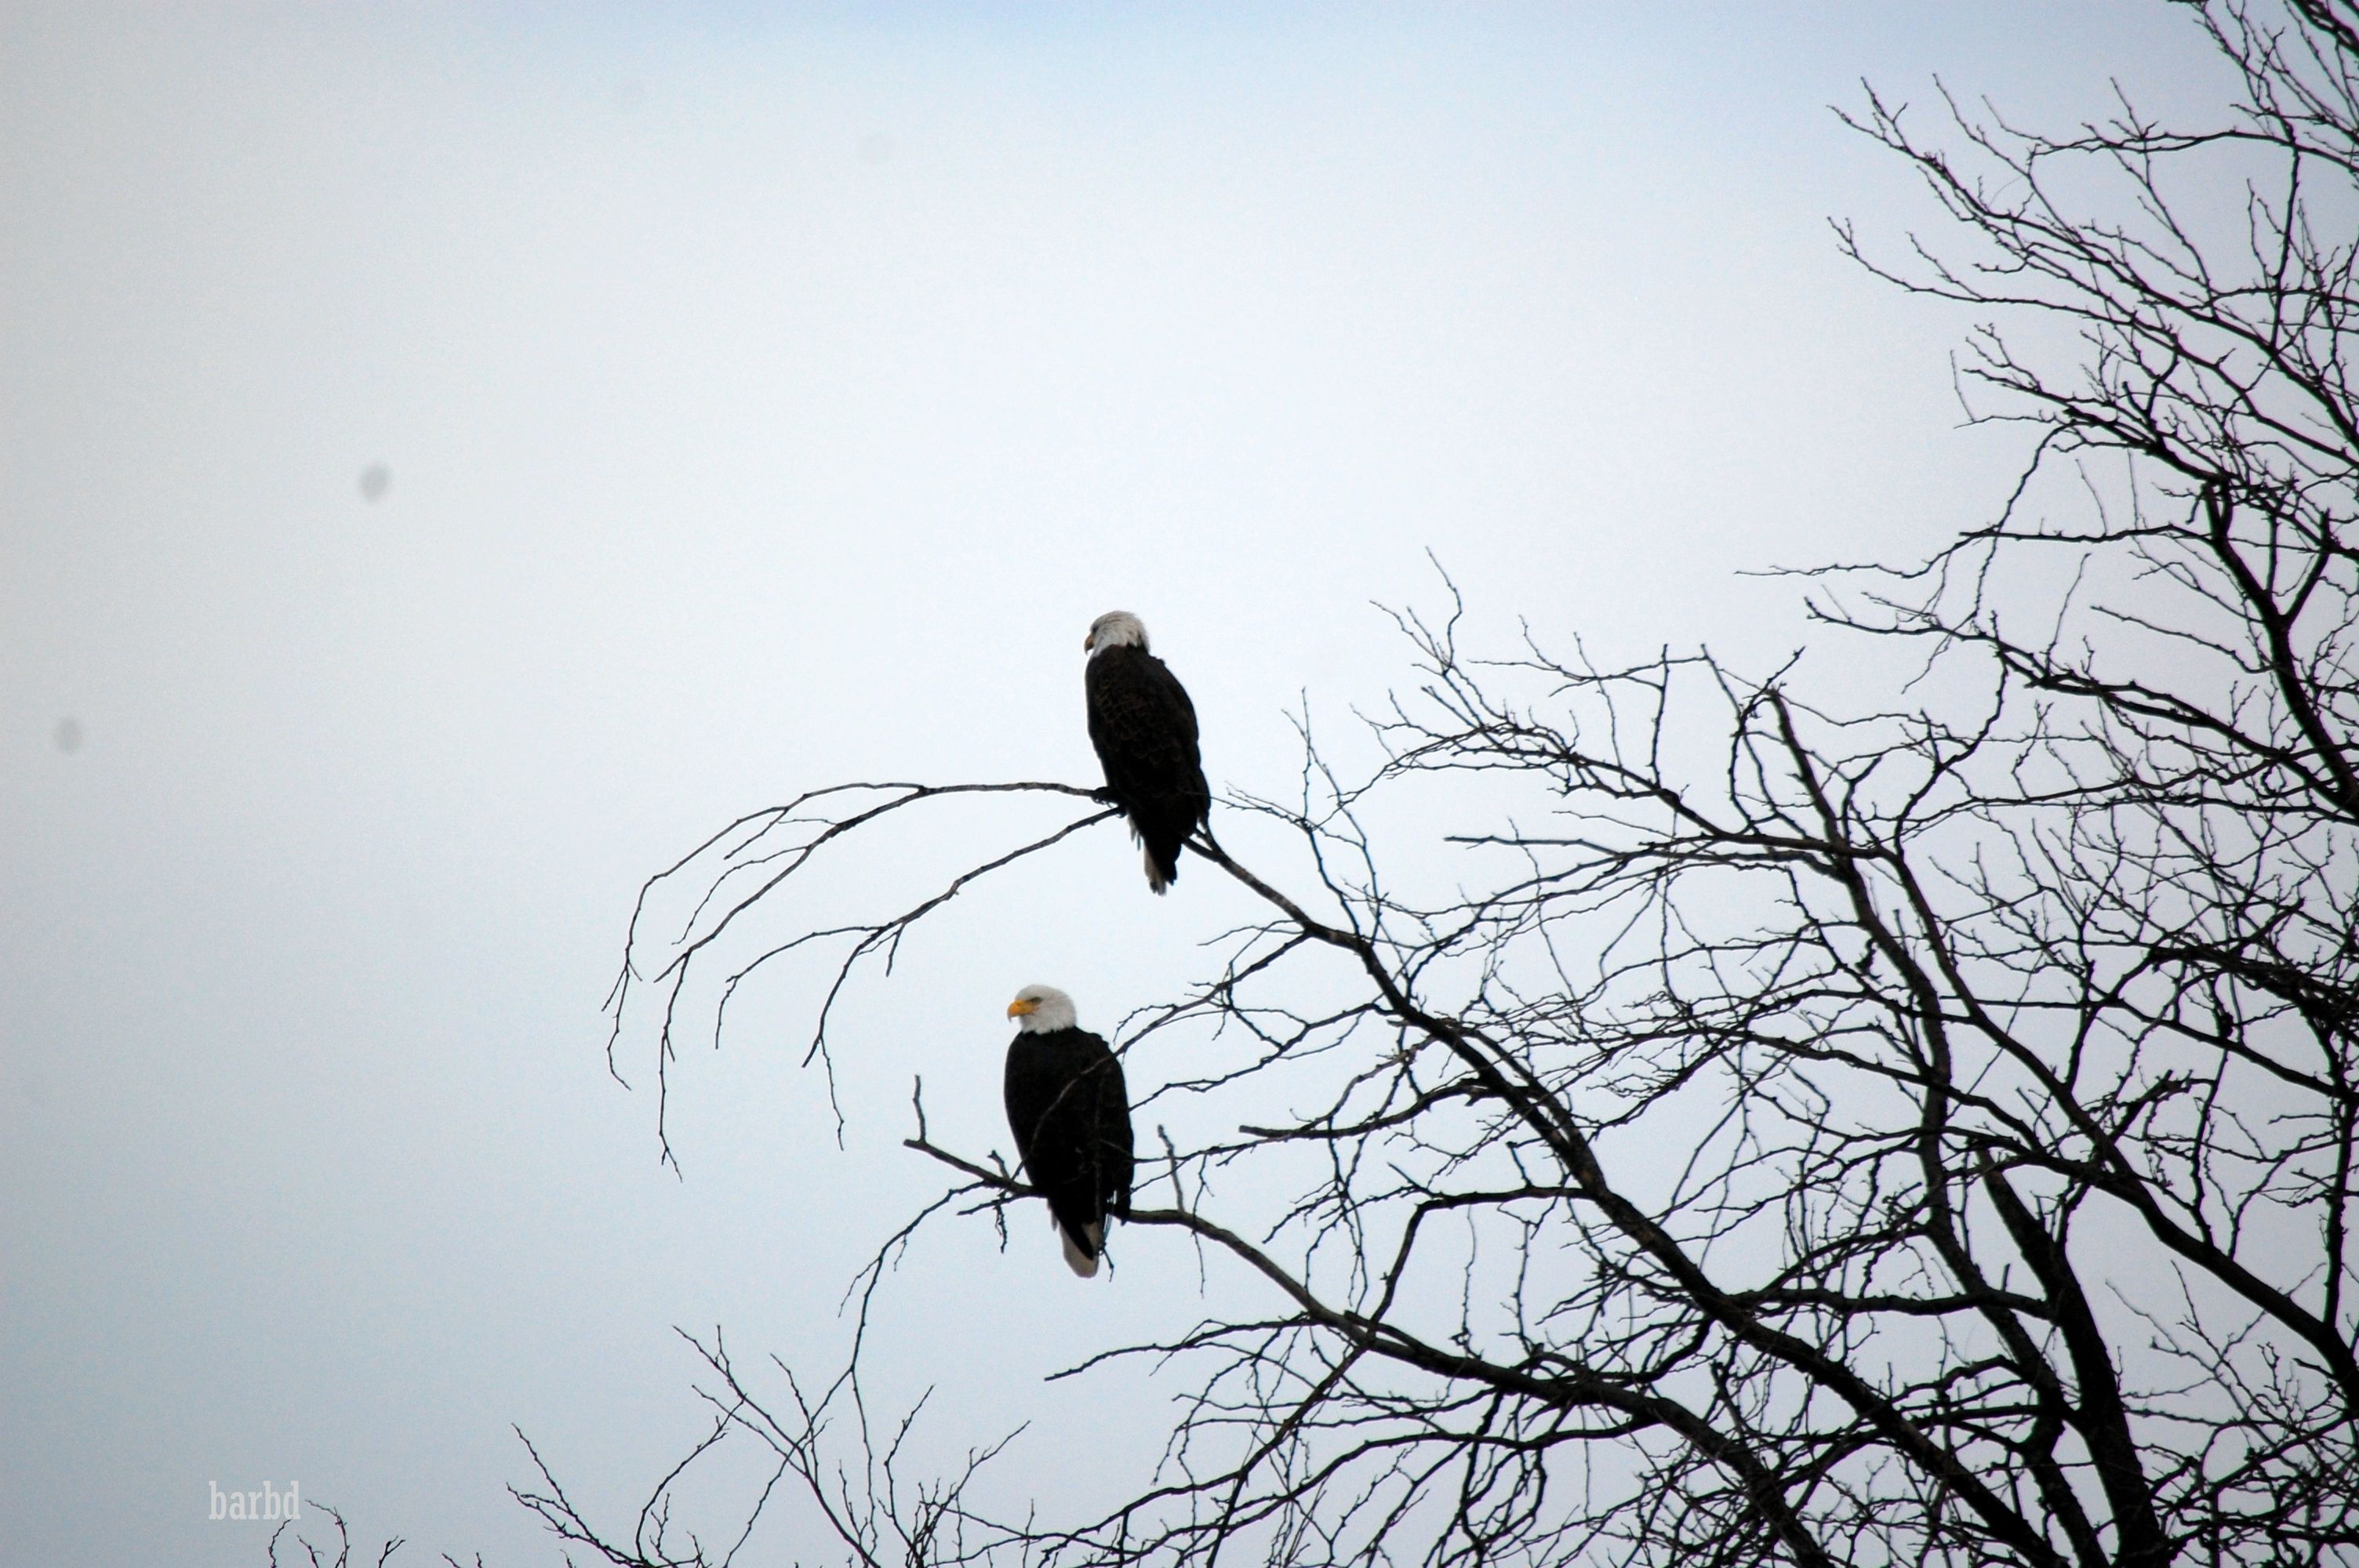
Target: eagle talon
<point>1105,797</point>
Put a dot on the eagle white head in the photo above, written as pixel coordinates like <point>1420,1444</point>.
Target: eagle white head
<point>1039,1009</point>
<point>1115,629</point>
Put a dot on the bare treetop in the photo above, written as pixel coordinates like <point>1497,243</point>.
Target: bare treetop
<point>1917,1135</point>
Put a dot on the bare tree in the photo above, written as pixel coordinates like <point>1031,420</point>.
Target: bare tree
<point>292,1536</point>
<point>1922,1134</point>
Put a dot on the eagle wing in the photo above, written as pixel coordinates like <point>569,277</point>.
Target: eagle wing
<point>1143,725</point>
<point>1117,1159</point>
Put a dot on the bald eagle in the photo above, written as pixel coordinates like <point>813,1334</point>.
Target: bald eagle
<point>1144,729</point>
<point>1070,1115</point>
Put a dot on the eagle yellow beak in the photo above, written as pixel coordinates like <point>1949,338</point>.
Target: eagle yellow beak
<point>1089,642</point>
<point>1021,1007</point>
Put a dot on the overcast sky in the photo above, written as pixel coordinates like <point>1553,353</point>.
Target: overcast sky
<point>454,458</point>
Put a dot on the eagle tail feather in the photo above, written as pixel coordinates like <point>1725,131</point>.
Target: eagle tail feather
<point>1081,1261</point>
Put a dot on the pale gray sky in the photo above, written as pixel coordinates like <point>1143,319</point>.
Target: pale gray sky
<point>764,397</point>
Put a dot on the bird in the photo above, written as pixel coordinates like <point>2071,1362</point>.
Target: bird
<point>1070,1114</point>
<point>1144,727</point>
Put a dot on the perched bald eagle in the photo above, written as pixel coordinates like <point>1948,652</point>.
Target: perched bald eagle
<point>1070,1115</point>
<point>1144,729</point>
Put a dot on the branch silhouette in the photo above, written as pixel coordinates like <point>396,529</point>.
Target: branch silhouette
<point>1651,1113</point>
